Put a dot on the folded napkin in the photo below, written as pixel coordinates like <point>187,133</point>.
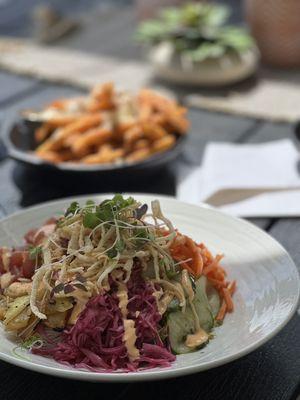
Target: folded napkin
<point>249,180</point>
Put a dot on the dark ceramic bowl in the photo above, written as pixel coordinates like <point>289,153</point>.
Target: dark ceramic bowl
<point>19,142</point>
<point>297,134</point>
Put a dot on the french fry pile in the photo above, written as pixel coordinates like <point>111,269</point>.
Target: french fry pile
<point>109,127</point>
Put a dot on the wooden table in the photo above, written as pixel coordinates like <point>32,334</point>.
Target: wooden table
<point>271,372</point>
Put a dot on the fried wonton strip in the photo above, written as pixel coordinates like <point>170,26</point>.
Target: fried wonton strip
<point>37,280</point>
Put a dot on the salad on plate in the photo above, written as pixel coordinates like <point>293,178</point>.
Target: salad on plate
<point>112,287</point>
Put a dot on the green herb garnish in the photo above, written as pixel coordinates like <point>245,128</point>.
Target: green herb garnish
<point>34,252</point>
<point>28,344</point>
<point>108,210</point>
<point>112,253</point>
<point>172,274</point>
<point>72,209</point>
<point>91,220</point>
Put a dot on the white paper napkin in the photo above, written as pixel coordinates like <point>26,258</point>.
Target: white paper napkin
<point>249,180</point>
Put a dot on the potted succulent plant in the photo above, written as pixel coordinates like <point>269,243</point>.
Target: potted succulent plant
<point>192,45</point>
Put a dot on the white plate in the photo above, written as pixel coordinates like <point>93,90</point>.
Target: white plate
<point>266,298</point>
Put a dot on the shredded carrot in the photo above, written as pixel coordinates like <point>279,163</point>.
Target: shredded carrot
<point>222,312</point>
<point>228,299</point>
<point>219,274</point>
<point>197,259</point>
<point>219,284</point>
<point>209,268</point>
<point>184,249</point>
<point>232,287</point>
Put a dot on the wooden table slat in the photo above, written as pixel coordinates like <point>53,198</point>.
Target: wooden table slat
<point>12,86</point>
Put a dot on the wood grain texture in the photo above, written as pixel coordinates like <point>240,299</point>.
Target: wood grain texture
<point>116,31</point>
<point>206,126</point>
<point>270,131</point>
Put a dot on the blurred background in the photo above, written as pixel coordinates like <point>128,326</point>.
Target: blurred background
<point>230,60</point>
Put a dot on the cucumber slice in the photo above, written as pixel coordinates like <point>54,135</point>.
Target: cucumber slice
<point>202,305</point>
<point>213,299</point>
<point>207,305</point>
<point>180,325</point>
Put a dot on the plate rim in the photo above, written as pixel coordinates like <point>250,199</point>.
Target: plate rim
<point>152,374</point>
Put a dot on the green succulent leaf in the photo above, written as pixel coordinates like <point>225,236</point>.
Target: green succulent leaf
<point>207,50</point>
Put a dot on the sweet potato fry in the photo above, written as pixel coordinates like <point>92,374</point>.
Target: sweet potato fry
<point>105,155</point>
<point>145,111</point>
<point>141,144</point>
<point>42,132</point>
<point>74,103</point>
<point>138,155</point>
<point>159,119</point>
<point>81,125</point>
<point>124,126</point>
<point>107,126</point>
<point>50,144</point>
<point>132,135</point>
<point>153,131</point>
<point>56,141</point>
<point>71,139</point>
<point>102,97</point>
<point>51,156</point>
<point>63,120</point>
<point>163,144</point>
<point>175,115</point>
<point>92,137</point>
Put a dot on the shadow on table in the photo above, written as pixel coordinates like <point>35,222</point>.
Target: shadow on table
<point>41,185</point>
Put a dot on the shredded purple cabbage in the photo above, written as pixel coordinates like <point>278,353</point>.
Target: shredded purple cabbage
<point>95,342</point>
